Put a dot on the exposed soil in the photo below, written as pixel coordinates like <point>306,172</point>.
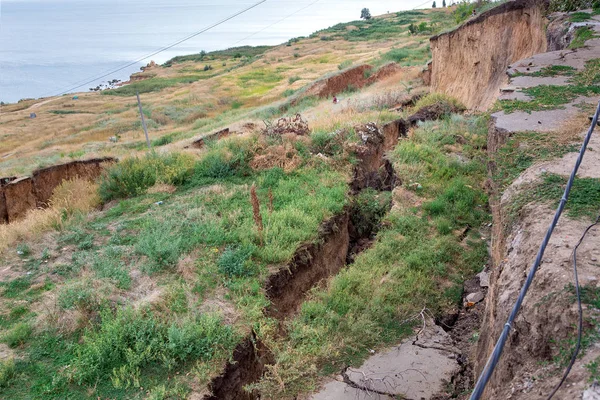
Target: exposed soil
<point>17,196</point>
<point>200,143</point>
<point>469,63</point>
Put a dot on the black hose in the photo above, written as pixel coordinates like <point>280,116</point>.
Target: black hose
<point>579,309</point>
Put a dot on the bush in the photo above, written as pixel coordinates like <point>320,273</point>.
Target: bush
<point>133,176</point>
<point>369,207</point>
<point>162,242</point>
<point>463,11</point>
<point>224,159</point>
<point>439,98</point>
<point>7,372</point>
<point>325,143</point>
<point>345,64</point>
<point>573,5</point>
<point>235,261</point>
<point>80,295</point>
<point>127,341</point>
<point>18,335</point>
<point>396,55</point>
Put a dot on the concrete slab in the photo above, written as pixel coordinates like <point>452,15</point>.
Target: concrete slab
<point>337,390</point>
<point>416,369</point>
<point>516,95</point>
<point>540,121</point>
<point>532,81</point>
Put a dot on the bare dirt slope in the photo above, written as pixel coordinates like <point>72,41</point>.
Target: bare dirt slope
<point>470,62</point>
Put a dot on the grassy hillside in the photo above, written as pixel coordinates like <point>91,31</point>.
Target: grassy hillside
<point>193,95</point>
<point>148,297</point>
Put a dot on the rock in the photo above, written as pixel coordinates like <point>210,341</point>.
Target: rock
<point>484,279</point>
<point>475,297</point>
<point>592,393</point>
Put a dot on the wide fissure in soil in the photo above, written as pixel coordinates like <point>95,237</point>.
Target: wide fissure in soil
<point>340,241</point>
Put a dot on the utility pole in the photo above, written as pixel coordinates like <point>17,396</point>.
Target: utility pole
<point>143,121</point>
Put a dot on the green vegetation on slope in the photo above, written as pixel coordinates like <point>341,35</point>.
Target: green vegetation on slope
<point>419,259</point>
<point>113,348</point>
<point>548,97</point>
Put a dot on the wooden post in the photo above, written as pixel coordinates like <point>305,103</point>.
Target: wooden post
<point>143,121</point>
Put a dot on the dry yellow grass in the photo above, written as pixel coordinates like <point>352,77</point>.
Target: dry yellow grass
<point>69,198</point>
<point>68,129</point>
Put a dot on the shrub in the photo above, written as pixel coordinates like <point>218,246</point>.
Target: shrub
<point>345,64</point>
<point>127,341</point>
<point>79,295</point>
<point>396,55</point>
<point>224,159</point>
<point>439,98</point>
<point>235,261</point>
<point>18,335</point>
<point>325,143</point>
<point>7,372</point>
<point>162,242</point>
<point>133,176</point>
<point>463,10</point>
<point>369,207</point>
<point>293,79</point>
<point>572,5</point>
<point>163,140</point>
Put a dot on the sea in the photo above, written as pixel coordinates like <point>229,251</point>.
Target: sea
<point>48,47</point>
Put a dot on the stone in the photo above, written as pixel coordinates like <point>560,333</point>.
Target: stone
<point>475,297</point>
<point>484,279</point>
<point>592,393</point>
<point>416,369</point>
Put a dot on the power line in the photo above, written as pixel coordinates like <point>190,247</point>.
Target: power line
<point>499,347</point>
<point>163,49</point>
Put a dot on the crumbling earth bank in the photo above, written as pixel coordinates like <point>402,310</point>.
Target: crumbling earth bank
<point>469,63</point>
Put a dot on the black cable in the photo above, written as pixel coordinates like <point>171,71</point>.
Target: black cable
<point>580,311</point>
<point>499,347</point>
<point>164,48</point>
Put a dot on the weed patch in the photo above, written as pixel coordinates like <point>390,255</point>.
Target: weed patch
<point>582,35</point>
<point>135,175</point>
<point>127,341</point>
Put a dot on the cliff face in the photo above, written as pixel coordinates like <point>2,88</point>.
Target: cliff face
<point>470,62</point>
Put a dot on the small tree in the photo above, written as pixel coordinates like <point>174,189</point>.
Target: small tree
<point>365,14</point>
<point>444,3</point>
<point>433,5</point>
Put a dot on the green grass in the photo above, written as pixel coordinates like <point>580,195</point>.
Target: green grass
<point>153,85</point>
<point>582,35</point>
<point>17,335</point>
<point>521,151</point>
<point>7,372</point>
<point>547,97</point>
<point>66,112</point>
<point>584,200</point>
<point>133,176</point>
<point>233,52</point>
<point>552,71</point>
<point>403,272</point>
<point>580,16</point>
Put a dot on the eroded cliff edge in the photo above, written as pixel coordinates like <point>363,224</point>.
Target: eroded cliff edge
<point>470,62</point>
